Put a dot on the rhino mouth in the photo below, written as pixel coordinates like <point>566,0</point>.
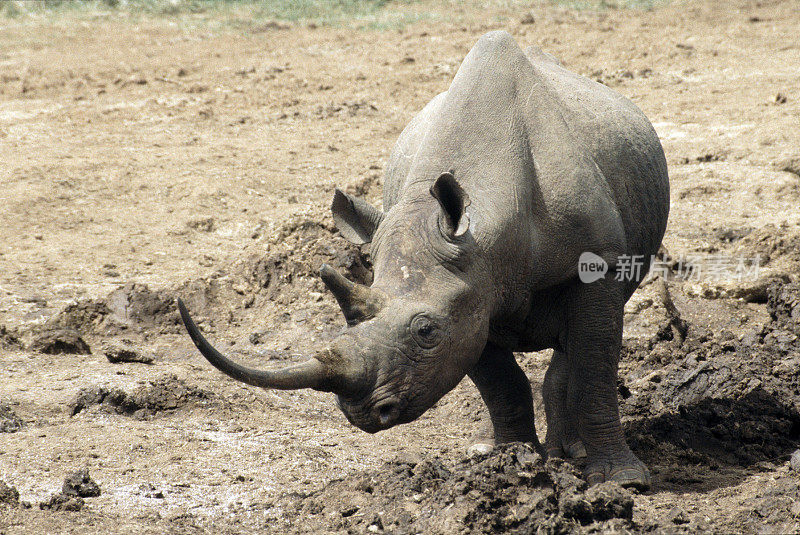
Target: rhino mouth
<point>373,415</point>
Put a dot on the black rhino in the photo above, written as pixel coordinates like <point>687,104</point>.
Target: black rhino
<point>492,193</point>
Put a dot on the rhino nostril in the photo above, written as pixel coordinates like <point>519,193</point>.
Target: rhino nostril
<point>387,412</point>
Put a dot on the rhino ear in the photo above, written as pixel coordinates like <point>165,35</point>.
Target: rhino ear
<point>454,220</point>
<point>355,219</point>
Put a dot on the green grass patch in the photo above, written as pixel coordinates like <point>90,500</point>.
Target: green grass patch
<point>602,5</point>
<point>324,12</point>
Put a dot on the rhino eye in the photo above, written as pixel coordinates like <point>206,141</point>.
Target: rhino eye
<point>425,331</point>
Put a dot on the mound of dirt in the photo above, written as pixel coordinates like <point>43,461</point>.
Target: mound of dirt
<point>716,399</point>
<point>773,509</point>
<point>771,243</point>
<point>287,274</point>
<point>297,250</point>
<point>9,495</point>
<point>9,421</point>
<point>81,484</point>
<point>166,393</point>
<point>84,316</point>
<point>741,430</point>
<point>62,502</point>
<point>132,306</point>
<point>56,341</point>
<point>137,305</point>
<point>9,339</point>
<point>783,303</point>
<point>510,490</point>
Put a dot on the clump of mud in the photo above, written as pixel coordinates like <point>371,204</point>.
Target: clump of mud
<point>9,421</point>
<point>9,495</point>
<point>62,502</point>
<point>132,306</point>
<point>57,341</point>
<point>9,338</point>
<point>783,303</point>
<point>81,484</point>
<point>125,352</point>
<point>77,486</point>
<point>771,243</point>
<point>510,490</point>
<point>165,394</point>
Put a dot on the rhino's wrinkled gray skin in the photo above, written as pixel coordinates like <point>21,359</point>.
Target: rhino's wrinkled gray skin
<point>492,193</point>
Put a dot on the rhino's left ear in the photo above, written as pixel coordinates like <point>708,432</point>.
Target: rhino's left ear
<point>453,200</point>
<point>355,219</point>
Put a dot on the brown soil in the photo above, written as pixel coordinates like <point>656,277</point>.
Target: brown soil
<point>141,160</point>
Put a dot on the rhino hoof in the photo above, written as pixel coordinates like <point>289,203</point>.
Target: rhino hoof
<point>632,474</point>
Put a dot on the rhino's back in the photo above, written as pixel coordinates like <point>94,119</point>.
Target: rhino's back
<point>620,141</point>
<point>548,157</point>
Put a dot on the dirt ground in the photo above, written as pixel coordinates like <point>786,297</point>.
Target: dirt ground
<point>144,159</point>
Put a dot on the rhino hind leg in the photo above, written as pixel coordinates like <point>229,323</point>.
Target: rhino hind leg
<point>506,391</point>
<point>562,439</point>
<point>593,341</point>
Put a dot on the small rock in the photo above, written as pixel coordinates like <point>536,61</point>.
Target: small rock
<point>81,484</point>
<point>794,462</point>
<point>116,353</point>
<point>86,397</point>
<point>58,341</point>
<point>9,421</point>
<point>8,494</point>
<point>677,516</point>
<point>256,338</point>
<point>476,450</point>
<point>205,224</point>
<point>62,502</point>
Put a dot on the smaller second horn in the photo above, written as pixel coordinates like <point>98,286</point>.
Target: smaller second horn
<point>358,302</point>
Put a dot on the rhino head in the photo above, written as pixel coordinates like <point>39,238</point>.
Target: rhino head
<point>412,335</point>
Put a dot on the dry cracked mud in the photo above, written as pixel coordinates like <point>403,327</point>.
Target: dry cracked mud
<point>150,157</point>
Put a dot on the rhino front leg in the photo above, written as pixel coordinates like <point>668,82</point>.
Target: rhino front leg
<point>562,438</point>
<point>507,393</point>
<point>593,341</point>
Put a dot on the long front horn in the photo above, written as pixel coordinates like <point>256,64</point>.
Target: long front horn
<point>358,302</point>
<point>309,374</point>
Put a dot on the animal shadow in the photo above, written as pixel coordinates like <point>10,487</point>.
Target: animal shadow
<point>715,442</point>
